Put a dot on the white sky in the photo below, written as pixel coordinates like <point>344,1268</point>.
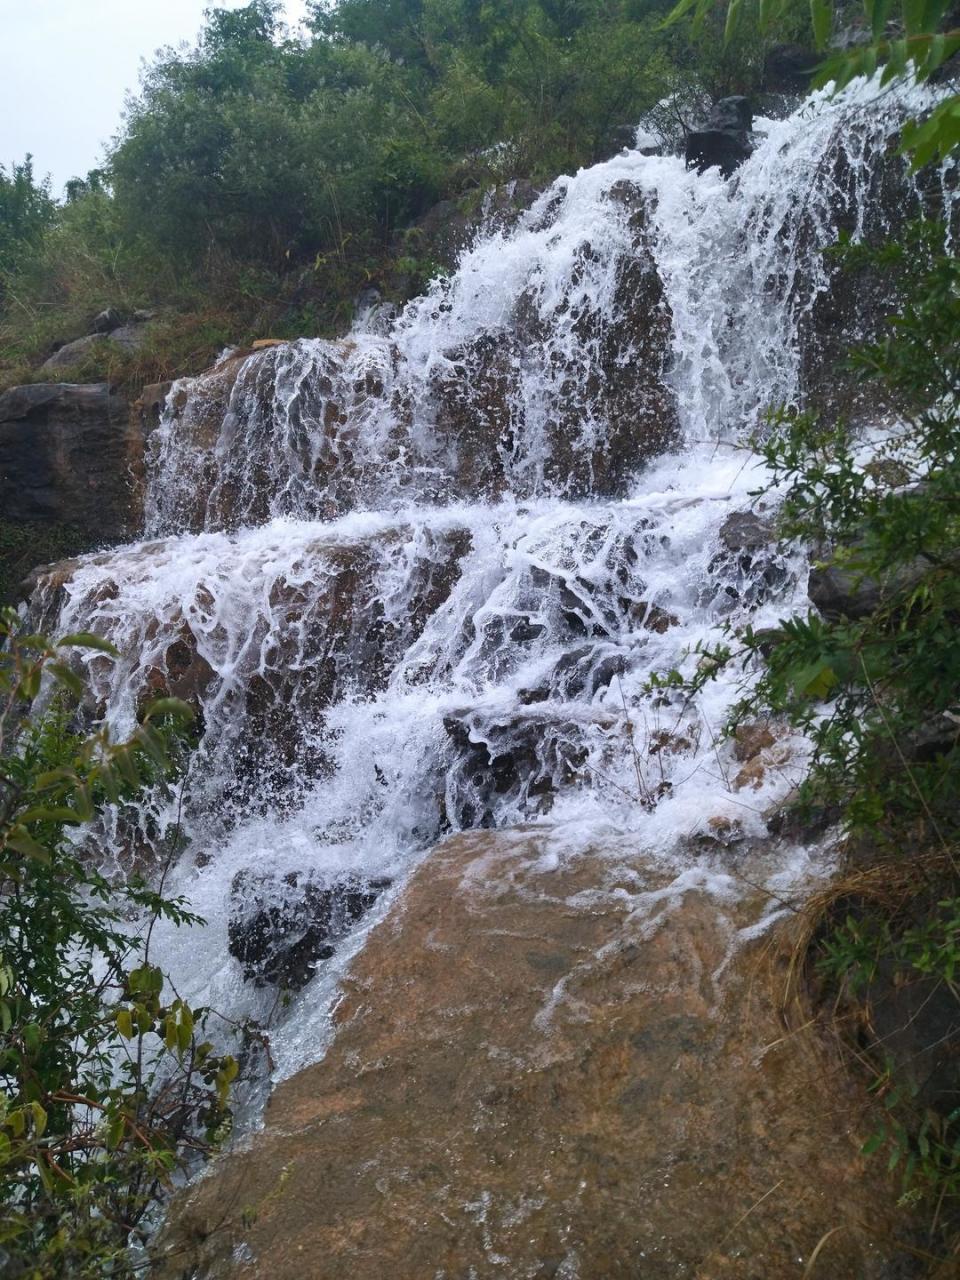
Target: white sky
<point>66,66</point>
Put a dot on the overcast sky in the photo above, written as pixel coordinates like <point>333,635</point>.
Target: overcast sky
<point>66,66</point>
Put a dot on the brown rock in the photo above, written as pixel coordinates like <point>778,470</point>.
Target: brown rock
<point>151,404</point>
<point>527,1081</point>
<point>723,830</point>
<point>752,738</point>
<point>751,775</point>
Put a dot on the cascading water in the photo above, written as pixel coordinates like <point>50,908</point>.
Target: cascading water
<point>416,580</point>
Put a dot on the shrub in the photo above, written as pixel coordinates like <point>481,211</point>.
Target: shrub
<point>106,1086</point>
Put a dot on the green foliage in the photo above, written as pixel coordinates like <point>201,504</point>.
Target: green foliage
<point>896,960</point>
<point>23,545</point>
<point>259,181</point>
<point>106,1085</point>
<point>26,211</point>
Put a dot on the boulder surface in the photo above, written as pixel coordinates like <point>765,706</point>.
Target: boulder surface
<point>549,1065</point>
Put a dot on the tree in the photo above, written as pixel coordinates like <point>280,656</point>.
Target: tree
<point>26,211</point>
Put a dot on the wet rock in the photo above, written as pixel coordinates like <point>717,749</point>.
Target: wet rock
<point>845,591</point>
<point>281,927</point>
<point>752,775</point>
<point>934,740</point>
<point>528,1079</point>
<point>445,230</point>
<point>724,142</point>
<point>150,405</point>
<point>748,568</point>
<point>519,760</point>
<point>747,531</point>
<point>332,624</point>
<point>482,408</point>
<point>721,830</point>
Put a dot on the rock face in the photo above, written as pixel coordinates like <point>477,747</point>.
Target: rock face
<point>108,329</point>
<point>724,142</point>
<point>70,455</point>
<point>331,624</point>
<point>71,354</point>
<point>538,1072</point>
<point>447,228</point>
<point>841,589</point>
<point>559,393</point>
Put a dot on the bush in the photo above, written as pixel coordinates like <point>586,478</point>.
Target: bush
<point>106,1086</point>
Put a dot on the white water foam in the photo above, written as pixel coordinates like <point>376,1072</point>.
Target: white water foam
<point>382,648</point>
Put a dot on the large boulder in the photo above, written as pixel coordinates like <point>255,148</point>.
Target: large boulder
<point>72,354</point>
<point>109,331</point>
<point>548,1063</point>
<point>840,588</point>
<point>71,467</point>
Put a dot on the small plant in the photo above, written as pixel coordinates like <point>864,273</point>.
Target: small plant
<point>107,1087</point>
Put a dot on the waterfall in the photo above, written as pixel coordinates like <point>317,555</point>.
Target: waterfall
<point>416,580</point>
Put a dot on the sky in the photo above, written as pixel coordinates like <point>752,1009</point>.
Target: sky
<point>67,65</point>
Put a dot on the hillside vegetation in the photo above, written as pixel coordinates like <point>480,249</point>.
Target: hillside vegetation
<point>261,179</point>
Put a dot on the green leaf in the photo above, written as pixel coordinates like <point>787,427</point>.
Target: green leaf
<point>771,11</point>
<point>49,813</point>
<point>896,61</point>
<point>87,640</point>
<point>67,678</point>
<point>878,12</point>
<point>176,708</point>
<point>679,11</point>
<point>20,840</point>
<point>185,1030</point>
<point>733,13</point>
<point>821,15</point>
<point>914,17</point>
<point>30,683</point>
<point>39,1119</point>
<point>115,1130</point>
